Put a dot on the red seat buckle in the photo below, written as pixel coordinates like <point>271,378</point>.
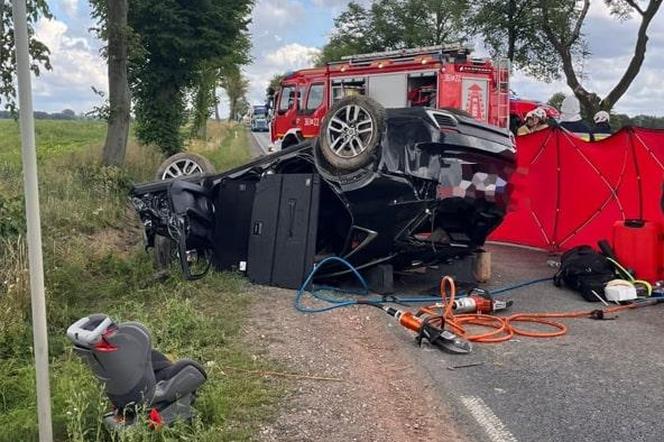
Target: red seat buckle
<point>154,419</point>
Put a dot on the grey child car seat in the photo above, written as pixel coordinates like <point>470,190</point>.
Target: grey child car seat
<point>136,377</point>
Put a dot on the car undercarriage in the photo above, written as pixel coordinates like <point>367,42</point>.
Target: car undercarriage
<point>425,186</point>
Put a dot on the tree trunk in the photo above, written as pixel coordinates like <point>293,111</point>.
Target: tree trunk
<point>233,103</point>
<point>637,59</point>
<point>217,117</point>
<point>201,133</point>
<point>117,131</point>
<point>590,101</point>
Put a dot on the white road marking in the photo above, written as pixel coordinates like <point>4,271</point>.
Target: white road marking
<point>495,429</point>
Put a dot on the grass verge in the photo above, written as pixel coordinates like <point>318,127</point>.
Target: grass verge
<point>94,262</point>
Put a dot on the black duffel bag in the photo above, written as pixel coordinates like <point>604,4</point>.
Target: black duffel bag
<point>585,270</point>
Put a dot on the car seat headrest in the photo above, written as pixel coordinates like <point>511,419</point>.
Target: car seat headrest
<point>87,332</point>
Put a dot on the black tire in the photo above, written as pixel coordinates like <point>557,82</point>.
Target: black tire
<point>164,247</point>
<point>351,132</point>
<point>332,173</point>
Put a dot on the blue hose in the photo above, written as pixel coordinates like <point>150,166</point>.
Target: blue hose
<point>336,303</point>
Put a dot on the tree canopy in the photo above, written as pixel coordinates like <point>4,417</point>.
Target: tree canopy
<point>39,53</point>
<point>177,41</point>
<point>512,29</point>
<point>395,24</point>
<point>236,85</point>
<point>544,39</point>
<point>216,72</point>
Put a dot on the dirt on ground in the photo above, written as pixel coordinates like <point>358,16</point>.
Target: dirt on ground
<point>120,240</point>
<point>376,394</point>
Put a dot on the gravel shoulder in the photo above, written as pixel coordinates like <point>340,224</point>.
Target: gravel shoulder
<point>378,392</point>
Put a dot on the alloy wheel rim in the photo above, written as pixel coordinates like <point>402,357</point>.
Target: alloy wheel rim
<point>350,130</point>
<point>183,167</point>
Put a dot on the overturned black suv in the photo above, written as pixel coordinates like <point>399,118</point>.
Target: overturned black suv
<point>404,187</point>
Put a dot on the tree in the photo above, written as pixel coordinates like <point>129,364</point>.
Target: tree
<point>177,39</point>
<point>563,26</point>
<point>556,100</point>
<point>275,83</point>
<point>205,97</point>
<point>512,29</point>
<point>39,53</point>
<point>203,100</point>
<point>395,24</point>
<point>68,114</point>
<point>351,34</point>
<point>217,116</point>
<point>422,22</point>
<point>236,86</point>
<point>112,19</point>
<point>242,107</point>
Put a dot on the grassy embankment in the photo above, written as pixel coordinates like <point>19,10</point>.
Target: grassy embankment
<point>94,262</point>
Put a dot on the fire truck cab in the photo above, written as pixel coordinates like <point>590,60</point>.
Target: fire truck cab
<point>443,77</point>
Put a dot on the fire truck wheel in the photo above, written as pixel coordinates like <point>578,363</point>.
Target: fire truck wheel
<point>290,140</point>
<point>351,132</point>
<point>180,164</point>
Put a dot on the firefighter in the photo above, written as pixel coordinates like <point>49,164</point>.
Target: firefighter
<point>602,127</point>
<point>535,120</point>
<point>570,119</point>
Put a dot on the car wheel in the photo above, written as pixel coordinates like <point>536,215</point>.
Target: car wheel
<point>180,164</point>
<point>351,132</point>
<point>184,164</point>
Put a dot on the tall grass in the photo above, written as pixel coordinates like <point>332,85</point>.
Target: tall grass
<point>233,148</point>
<point>95,262</point>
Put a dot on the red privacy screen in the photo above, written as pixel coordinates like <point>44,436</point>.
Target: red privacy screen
<point>568,192</point>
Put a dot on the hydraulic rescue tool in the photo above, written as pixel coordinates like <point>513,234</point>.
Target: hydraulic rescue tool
<point>479,301</point>
<point>430,325</point>
<point>457,320</point>
<point>436,335</point>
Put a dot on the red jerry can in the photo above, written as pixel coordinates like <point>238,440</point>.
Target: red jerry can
<point>639,246</point>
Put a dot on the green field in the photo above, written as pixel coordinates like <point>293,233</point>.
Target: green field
<point>95,262</point>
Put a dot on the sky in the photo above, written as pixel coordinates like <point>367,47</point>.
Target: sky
<point>288,34</point>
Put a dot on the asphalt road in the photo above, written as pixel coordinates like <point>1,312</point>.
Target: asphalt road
<point>600,382</point>
<point>260,142</point>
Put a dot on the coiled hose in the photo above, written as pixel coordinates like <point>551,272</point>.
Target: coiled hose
<point>501,328</point>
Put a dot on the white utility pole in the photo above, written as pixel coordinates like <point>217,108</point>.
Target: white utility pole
<point>29,155</point>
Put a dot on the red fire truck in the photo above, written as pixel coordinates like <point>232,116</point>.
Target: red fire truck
<point>437,77</point>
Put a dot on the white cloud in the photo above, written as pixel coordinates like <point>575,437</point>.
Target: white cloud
<point>285,58</point>
<point>70,7</point>
<point>276,14</point>
<point>274,51</point>
<point>76,67</point>
<point>292,56</point>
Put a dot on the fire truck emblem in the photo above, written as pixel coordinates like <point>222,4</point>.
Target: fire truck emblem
<point>475,101</point>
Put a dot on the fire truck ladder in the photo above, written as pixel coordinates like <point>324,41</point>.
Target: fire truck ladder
<point>504,71</point>
<point>456,48</point>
